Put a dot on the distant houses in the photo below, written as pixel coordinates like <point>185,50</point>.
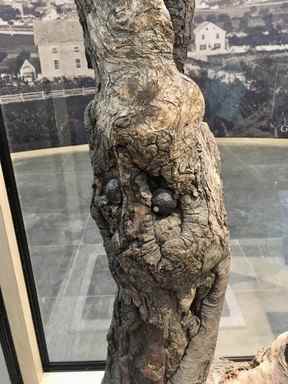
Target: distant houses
<point>57,51</point>
<point>27,72</point>
<point>61,48</point>
<point>209,39</point>
<point>24,66</point>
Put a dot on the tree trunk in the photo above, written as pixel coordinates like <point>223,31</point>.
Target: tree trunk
<point>157,195</point>
<point>270,366</point>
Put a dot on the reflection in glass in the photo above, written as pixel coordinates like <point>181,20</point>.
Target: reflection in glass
<point>74,284</point>
<point>243,97</point>
<point>5,379</point>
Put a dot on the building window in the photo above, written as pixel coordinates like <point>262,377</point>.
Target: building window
<point>217,46</point>
<point>76,49</point>
<point>78,63</point>
<point>56,64</point>
<point>203,47</point>
<point>203,37</point>
<point>217,36</point>
<point>54,50</point>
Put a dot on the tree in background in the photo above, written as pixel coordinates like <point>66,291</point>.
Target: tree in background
<point>8,13</point>
<point>15,65</point>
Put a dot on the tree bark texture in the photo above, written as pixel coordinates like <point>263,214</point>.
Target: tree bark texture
<point>270,366</point>
<point>157,192</point>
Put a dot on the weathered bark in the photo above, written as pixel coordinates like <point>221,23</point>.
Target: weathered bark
<point>269,367</point>
<point>157,195</point>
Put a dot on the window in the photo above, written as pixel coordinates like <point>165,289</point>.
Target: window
<point>9,368</point>
<point>217,36</point>
<point>76,49</point>
<point>78,63</point>
<point>54,50</point>
<point>56,64</point>
<point>69,280</point>
<point>3,369</point>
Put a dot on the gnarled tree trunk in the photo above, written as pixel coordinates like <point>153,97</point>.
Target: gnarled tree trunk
<point>157,195</point>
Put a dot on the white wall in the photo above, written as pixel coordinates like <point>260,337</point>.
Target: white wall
<point>66,57</point>
<point>210,37</point>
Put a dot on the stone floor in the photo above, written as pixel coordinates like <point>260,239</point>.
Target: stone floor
<point>75,287</point>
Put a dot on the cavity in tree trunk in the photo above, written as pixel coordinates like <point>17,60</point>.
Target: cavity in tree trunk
<point>157,194</point>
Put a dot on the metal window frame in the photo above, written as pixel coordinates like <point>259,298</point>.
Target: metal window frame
<point>7,345</point>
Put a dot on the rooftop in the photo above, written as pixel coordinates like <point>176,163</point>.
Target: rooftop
<point>205,24</point>
<point>60,30</point>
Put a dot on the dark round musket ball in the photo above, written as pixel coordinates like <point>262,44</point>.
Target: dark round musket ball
<point>113,191</point>
<point>286,353</point>
<point>163,202</point>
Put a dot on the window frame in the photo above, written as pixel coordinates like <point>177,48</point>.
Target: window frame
<point>78,63</point>
<point>7,346</point>
<point>56,63</point>
<point>9,183</point>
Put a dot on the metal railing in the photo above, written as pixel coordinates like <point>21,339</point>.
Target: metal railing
<point>43,95</point>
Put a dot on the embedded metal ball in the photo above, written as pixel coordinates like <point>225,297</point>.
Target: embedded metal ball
<point>286,353</point>
<point>113,191</point>
<point>163,202</point>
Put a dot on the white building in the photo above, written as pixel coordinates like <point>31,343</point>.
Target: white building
<point>61,48</point>
<point>51,14</point>
<point>27,71</point>
<point>209,39</point>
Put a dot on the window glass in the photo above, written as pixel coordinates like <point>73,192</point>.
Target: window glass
<point>9,368</point>
<point>5,379</point>
<point>56,64</point>
<point>54,50</point>
<point>78,63</point>
<point>245,88</point>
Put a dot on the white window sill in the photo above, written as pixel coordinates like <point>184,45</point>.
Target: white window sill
<point>73,378</point>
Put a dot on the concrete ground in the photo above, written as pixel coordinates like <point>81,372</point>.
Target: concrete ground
<point>75,287</point>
